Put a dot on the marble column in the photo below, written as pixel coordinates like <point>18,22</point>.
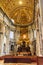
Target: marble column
<point>16,38</point>
<point>39,30</point>
<point>7,32</point>
<point>2,31</point>
<point>17,33</point>
<point>41,26</point>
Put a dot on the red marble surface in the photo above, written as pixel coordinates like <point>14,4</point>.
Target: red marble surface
<point>40,61</point>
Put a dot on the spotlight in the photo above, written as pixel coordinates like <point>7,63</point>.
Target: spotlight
<point>20,2</point>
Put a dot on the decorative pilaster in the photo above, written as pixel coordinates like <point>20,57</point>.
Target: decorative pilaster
<point>41,26</point>
<point>39,48</point>
<point>37,31</point>
<point>7,33</point>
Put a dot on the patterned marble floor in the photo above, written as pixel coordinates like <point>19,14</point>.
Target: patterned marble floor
<point>2,63</point>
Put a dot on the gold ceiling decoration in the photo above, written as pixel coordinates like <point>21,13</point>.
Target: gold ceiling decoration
<point>21,11</point>
<point>22,15</point>
<point>23,30</point>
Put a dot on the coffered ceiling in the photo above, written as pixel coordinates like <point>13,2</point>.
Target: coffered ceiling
<point>21,11</point>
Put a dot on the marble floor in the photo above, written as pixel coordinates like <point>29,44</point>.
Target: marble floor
<point>2,63</point>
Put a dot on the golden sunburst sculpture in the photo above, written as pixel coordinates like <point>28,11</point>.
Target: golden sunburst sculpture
<point>21,11</point>
<point>22,38</point>
<point>27,41</point>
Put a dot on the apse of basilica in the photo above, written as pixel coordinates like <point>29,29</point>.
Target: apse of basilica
<point>21,28</point>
